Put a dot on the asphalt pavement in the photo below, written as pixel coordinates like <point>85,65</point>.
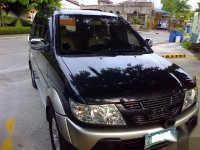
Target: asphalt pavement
<point>23,125</point>
<point>158,36</point>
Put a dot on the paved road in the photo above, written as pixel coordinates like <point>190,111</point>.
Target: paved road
<point>158,36</point>
<point>21,106</point>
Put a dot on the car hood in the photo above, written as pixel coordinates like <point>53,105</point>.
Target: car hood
<point>103,79</point>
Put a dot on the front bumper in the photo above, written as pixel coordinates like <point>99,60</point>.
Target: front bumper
<point>87,138</point>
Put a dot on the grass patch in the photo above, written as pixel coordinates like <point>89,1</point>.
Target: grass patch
<point>186,44</point>
<point>14,30</point>
<point>192,47</point>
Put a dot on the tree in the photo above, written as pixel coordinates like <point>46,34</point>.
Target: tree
<point>179,10</point>
<point>16,8</point>
<point>198,9</point>
<point>170,6</point>
<point>39,4</point>
<point>20,7</point>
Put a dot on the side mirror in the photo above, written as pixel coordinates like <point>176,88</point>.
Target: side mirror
<point>39,44</point>
<point>149,42</point>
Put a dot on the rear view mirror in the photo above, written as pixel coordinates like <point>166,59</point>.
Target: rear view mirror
<point>149,42</point>
<point>39,44</point>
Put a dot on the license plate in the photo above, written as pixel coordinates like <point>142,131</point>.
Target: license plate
<point>167,135</point>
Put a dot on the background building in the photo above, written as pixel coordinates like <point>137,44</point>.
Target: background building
<point>128,9</point>
<point>69,4</point>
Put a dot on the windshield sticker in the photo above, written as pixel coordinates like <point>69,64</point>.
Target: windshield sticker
<point>69,23</point>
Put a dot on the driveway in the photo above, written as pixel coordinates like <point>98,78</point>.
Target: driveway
<point>22,121</point>
<point>158,36</point>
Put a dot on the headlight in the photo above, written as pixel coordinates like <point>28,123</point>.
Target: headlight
<point>97,114</point>
<point>190,98</point>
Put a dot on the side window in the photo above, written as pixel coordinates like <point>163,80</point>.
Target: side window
<point>40,28</point>
<point>45,33</point>
<point>37,26</point>
<point>33,28</point>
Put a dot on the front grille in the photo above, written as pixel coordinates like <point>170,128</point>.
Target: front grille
<point>132,105</point>
<point>159,108</point>
<point>153,117</point>
<point>156,101</point>
<point>176,98</point>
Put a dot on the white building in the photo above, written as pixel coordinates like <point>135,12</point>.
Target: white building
<point>69,4</point>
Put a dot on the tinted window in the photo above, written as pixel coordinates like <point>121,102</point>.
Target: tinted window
<point>37,26</point>
<point>96,33</point>
<point>45,34</point>
<point>41,25</point>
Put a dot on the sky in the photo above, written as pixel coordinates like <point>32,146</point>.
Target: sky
<point>157,3</point>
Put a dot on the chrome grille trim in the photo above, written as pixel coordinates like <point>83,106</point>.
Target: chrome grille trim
<point>161,108</point>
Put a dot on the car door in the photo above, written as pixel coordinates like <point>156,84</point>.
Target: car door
<point>40,56</point>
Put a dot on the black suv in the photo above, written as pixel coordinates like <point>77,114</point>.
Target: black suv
<point>102,85</point>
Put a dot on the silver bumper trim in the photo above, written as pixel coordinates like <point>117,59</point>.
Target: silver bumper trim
<point>85,138</point>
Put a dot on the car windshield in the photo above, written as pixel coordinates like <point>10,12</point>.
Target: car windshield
<point>97,34</point>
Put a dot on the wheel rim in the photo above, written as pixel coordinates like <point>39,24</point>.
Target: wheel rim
<point>55,135</point>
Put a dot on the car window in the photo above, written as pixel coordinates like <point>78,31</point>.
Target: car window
<point>96,34</point>
<point>45,34</point>
<point>41,24</point>
<point>37,26</point>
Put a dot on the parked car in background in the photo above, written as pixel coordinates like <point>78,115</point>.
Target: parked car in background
<point>162,24</point>
<point>102,85</point>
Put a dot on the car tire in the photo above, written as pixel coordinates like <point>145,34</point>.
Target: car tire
<point>57,140</point>
<point>33,79</point>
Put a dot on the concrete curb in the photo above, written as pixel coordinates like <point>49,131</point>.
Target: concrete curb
<point>174,56</point>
